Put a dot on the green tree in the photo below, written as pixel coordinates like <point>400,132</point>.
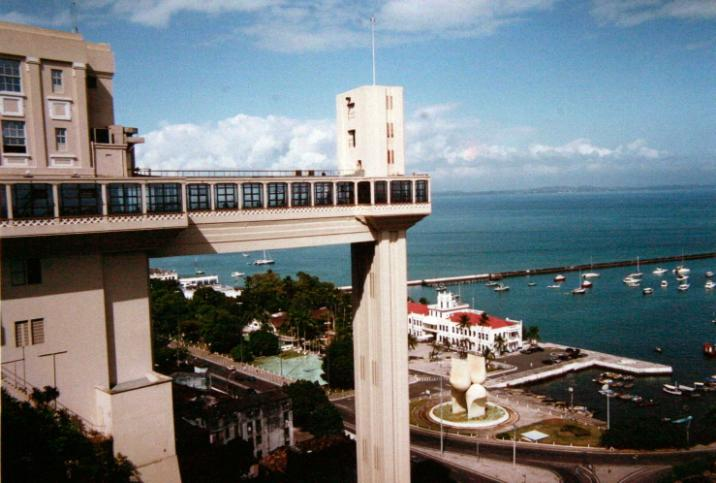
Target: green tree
<point>312,410</point>
<point>531,333</point>
<point>338,364</point>
<point>423,301</point>
<point>484,318</point>
<point>242,352</point>
<point>500,344</point>
<point>263,343</point>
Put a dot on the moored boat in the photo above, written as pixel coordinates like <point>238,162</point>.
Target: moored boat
<point>501,288</point>
<point>647,290</point>
<point>710,285</point>
<point>586,284</point>
<point>579,291</point>
<point>669,389</point>
<point>683,287</point>
<point>560,278</point>
<point>710,351</point>
<point>659,271</point>
<point>664,284</point>
<point>554,286</point>
<point>709,274</point>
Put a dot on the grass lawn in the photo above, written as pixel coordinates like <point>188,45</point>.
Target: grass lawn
<point>561,431</point>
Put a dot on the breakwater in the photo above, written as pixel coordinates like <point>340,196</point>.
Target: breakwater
<point>461,279</point>
<point>483,277</point>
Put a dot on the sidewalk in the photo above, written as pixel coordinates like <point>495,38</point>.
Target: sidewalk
<point>495,469</point>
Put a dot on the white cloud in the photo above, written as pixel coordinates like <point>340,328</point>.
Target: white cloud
<point>460,153</point>
<point>60,19</point>
<point>627,13</point>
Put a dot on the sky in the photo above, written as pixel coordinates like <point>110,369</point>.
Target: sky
<point>509,94</point>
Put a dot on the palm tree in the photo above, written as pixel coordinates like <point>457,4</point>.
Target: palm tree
<point>488,354</point>
<point>500,344</point>
<point>531,333</point>
<point>463,321</point>
<point>484,318</point>
<point>412,341</point>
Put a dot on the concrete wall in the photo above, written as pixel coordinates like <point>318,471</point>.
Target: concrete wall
<point>70,299</point>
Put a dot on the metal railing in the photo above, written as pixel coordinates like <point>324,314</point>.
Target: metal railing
<point>243,173</point>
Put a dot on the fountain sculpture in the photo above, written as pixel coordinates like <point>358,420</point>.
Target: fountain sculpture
<point>468,393</point>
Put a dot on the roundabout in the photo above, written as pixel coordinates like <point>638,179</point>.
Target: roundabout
<point>494,416</point>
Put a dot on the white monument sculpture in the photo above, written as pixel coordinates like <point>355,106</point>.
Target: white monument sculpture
<point>466,378</point>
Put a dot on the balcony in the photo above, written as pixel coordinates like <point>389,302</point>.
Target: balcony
<point>155,200</point>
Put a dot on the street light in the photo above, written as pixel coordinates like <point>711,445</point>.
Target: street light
<point>514,446</point>
<point>608,418</point>
<point>442,445</point>
<point>571,397</point>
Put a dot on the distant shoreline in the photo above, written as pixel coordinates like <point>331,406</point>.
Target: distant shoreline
<point>576,189</point>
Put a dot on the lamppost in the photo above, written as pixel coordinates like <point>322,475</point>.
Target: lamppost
<point>608,419</point>
<point>514,446</point>
<point>442,446</point>
<point>571,397</point>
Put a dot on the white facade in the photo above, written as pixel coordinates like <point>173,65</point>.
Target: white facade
<point>370,131</point>
<point>441,322</point>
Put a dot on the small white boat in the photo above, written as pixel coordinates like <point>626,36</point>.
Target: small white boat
<point>491,283</point>
<point>709,274</point>
<point>683,388</point>
<point>681,270</point>
<point>237,274</point>
<point>710,285</point>
<point>531,284</point>
<point>554,286</point>
<point>682,278</point>
<point>586,284</point>
<point>683,287</point>
<point>244,254</point>
<point>638,273</point>
<point>264,261</point>
<point>579,291</point>
<point>647,290</point>
<point>664,284</point>
<point>501,288</point>
<point>589,275</point>
<point>559,278</point>
<point>659,271</point>
<point>632,282</point>
<point>669,389</point>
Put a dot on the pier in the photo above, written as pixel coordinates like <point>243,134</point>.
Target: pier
<point>593,359</point>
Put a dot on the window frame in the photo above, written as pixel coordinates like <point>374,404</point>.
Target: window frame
<point>401,191</point>
<point>80,199</point>
<point>35,206</point>
<point>323,194</point>
<point>421,191</point>
<point>10,75</point>
<point>277,195</point>
<point>14,126</point>
<point>252,196</point>
<point>123,200</point>
<point>380,192</point>
<point>226,196</point>
<point>57,80</point>
<point>198,197</point>
<point>300,194</point>
<point>345,193</point>
<point>61,139</point>
<point>164,198</point>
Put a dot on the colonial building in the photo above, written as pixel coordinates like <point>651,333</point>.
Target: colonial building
<point>78,223</point>
<point>450,322</point>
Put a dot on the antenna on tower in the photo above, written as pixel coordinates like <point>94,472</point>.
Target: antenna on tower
<point>372,42</point>
<point>73,14</point>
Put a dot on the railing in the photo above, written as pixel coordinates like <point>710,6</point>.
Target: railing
<point>23,389</point>
<point>242,173</point>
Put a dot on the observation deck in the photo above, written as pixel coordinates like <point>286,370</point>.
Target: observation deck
<point>214,211</point>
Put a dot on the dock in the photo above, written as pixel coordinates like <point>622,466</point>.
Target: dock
<point>594,359</point>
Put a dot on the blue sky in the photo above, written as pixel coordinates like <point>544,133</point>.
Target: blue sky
<point>499,94</point>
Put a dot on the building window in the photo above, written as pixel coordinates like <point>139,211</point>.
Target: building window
<point>421,191</point>
<point>22,333</point>
<point>32,200</point>
<point>352,138</point>
<point>380,197</point>
<point>345,194</point>
<point>13,137</point>
<point>164,198</point>
<point>388,103</point>
<point>323,194</point>
<point>300,194</point>
<point>61,139</point>
<point>225,194</point>
<point>390,132</point>
<point>277,195</point>
<point>3,202</point>
<point>37,329</point>
<point>252,195</point>
<point>80,199</point>
<point>124,198</point>
<point>401,192</point>
<point>198,197</point>
<point>25,271</point>
<point>10,75</point>
<point>57,85</point>
<point>391,156</point>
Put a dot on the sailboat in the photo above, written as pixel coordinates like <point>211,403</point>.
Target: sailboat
<point>591,273</point>
<point>638,273</point>
<point>265,260</point>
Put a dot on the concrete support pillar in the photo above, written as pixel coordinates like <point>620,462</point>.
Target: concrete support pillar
<point>105,199</point>
<point>56,200</point>
<point>380,332</point>
<point>8,201</point>
<point>145,200</point>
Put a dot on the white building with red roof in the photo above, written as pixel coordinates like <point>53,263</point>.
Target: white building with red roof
<point>459,325</point>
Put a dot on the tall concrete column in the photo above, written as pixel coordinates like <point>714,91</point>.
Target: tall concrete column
<point>380,332</point>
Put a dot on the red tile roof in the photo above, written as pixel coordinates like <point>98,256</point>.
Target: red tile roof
<point>492,321</point>
<point>416,308</point>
